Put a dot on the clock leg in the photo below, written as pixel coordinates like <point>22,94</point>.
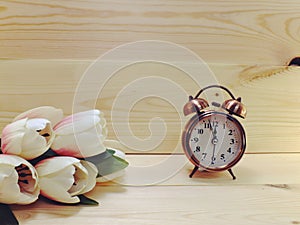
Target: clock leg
<point>231,173</point>
<point>194,171</point>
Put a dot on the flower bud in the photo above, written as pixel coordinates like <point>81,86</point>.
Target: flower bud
<point>28,138</point>
<point>62,178</point>
<point>18,181</point>
<point>80,135</point>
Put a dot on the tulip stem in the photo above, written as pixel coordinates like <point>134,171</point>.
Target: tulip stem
<point>7,216</point>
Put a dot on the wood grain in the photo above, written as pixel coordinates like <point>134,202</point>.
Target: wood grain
<point>47,48</point>
<point>253,169</point>
<point>257,204</point>
<point>258,196</point>
<point>270,93</point>
<point>240,32</point>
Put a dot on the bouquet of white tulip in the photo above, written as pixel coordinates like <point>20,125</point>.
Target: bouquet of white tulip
<point>43,153</point>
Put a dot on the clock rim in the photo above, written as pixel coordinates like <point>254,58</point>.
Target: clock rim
<point>187,133</point>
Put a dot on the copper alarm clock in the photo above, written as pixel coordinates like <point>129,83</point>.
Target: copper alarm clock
<point>214,140</point>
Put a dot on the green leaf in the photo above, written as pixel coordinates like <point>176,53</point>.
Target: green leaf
<point>111,151</point>
<point>99,158</point>
<point>107,163</point>
<point>87,201</point>
<point>6,216</point>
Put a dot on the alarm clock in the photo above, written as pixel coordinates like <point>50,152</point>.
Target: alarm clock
<point>213,139</point>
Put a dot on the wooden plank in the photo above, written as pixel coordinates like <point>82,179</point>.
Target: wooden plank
<point>251,204</point>
<point>267,190</point>
<point>239,32</point>
<point>271,95</point>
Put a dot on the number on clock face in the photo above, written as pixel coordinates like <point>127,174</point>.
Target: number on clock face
<point>215,141</point>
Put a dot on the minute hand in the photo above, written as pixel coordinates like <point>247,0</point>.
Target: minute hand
<point>214,141</point>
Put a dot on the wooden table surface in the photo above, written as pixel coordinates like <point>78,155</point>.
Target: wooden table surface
<point>46,48</point>
<point>267,190</point>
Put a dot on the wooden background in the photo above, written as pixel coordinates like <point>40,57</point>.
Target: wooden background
<point>46,47</point>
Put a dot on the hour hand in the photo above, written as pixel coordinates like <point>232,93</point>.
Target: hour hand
<point>215,131</point>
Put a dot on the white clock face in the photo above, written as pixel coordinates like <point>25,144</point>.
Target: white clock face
<point>215,141</point>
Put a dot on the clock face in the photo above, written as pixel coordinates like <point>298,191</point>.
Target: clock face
<point>214,141</point>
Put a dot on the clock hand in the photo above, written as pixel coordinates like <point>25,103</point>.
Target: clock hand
<point>214,141</point>
<point>213,155</point>
<point>215,132</point>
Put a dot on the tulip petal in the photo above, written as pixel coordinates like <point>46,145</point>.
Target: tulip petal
<point>53,114</point>
<point>54,164</point>
<point>92,174</point>
<point>28,198</point>
<point>62,178</point>
<point>56,186</point>
<point>12,136</point>
<point>79,145</point>
<point>80,122</point>
<point>33,144</point>
<point>22,138</point>
<point>80,180</point>
<point>9,188</point>
<point>119,153</point>
<point>12,189</point>
<point>77,125</point>
<point>37,123</point>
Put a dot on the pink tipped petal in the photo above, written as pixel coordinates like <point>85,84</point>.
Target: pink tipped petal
<point>54,164</point>
<point>76,125</point>
<point>55,186</point>
<point>80,145</point>
<point>11,190</point>
<point>16,126</point>
<point>63,178</point>
<point>22,138</point>
<point>12,143</point>
<point>12,136</point>
<point>81,134</point>
<point>54,115</point>
<point>76,117</point>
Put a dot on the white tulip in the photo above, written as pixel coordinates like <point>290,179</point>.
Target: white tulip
<point>80,135</point>
<point>50,113</point>
<point>62,178</point>
<point>18,181</point>
<point>28,138</point>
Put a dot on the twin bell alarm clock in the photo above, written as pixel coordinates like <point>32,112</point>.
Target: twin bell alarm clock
<point>213,139</point>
